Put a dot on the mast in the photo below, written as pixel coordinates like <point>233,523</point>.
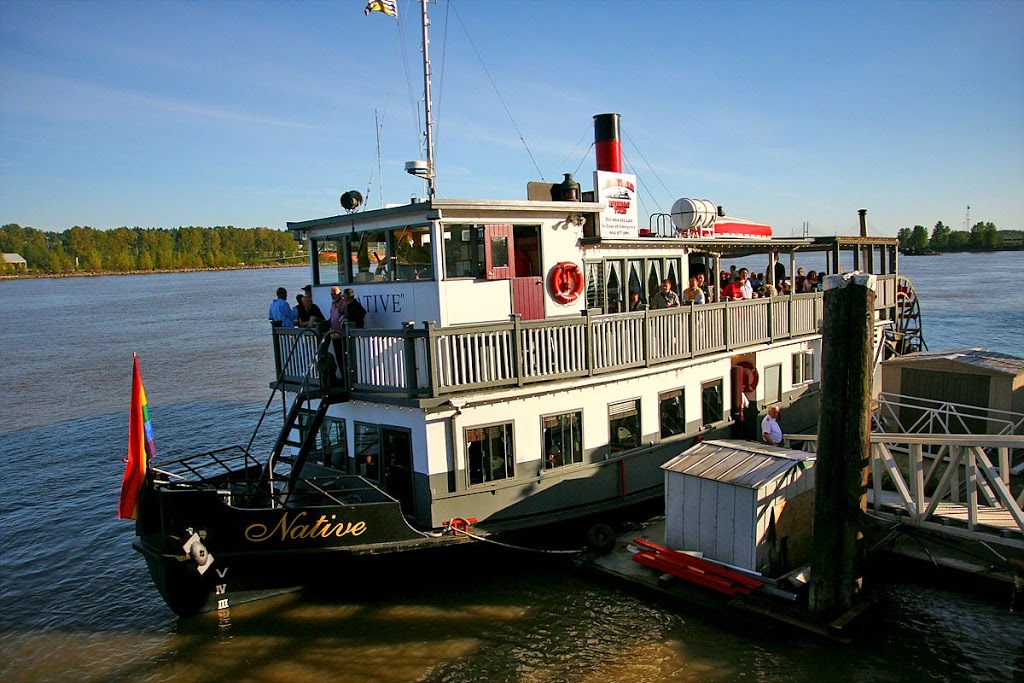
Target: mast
<point>426,103</point>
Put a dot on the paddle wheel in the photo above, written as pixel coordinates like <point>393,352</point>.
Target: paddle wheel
<point>905,335</point>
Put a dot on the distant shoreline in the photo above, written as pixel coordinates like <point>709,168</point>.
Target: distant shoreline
<point>44,276</point>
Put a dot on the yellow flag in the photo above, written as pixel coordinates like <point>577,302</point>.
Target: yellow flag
<point>388,7</point>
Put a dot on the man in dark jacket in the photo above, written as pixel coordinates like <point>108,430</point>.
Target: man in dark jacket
<point>356,312</point>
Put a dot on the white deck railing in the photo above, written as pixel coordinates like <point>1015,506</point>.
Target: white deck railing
<point>431,361</point>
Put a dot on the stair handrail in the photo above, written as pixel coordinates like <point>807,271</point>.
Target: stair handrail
<point>301,396</point>
<point>280,374</point>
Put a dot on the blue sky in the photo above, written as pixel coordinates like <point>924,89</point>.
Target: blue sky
<point>162,114</point>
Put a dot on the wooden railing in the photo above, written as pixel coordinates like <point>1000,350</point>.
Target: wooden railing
<point>430,362</point>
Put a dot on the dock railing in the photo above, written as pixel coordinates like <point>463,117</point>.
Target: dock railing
<point>428,361</point>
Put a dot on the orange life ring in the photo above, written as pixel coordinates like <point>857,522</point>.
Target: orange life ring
<point>566,282</point>
<point>748,375</point>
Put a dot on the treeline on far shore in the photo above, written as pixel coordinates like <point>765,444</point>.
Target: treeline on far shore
<point>85,250</point>
<point>981,237</point>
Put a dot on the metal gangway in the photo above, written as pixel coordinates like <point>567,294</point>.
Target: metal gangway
<point>954,484</point>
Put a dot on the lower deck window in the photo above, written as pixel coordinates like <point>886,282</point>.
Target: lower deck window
<point>803,367</point>
<point>673,417</point>
<point>563,439</point>
<point>330,446</point>
<point>367,451</point>
<point>624,425</point>
<point>711,402</point>
<point>491,457</point>
<point>773,384</point>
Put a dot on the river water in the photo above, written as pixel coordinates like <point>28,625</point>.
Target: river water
<point>77,604</point>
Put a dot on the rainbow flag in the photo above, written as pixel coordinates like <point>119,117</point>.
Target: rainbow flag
<point>388,7</point>
<point>141,449</point>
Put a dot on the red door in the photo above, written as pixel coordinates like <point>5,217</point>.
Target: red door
<point>527,290</point>
<point>498,251</point>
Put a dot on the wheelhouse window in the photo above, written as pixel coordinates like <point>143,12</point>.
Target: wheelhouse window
<point>368,252</point>
<point>803,367</point>
<point>711,400</point>
<point>671,413</point>
<point>490,453</point>
<point>330,262</point>
<point>773,384</point>
<point>464,254</point>
<point>563,439</point>
<point>411,258</point>
<point>624,425</point>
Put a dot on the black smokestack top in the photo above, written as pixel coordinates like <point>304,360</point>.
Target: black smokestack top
<point>863,213</point>
<point>606,141</point>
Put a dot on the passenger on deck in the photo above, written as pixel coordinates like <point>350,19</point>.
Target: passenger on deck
<point>811,282</point>
<point>665,298</point>
<point>745,287</point>
<point>733,291</point>
<point>634,301</point>
<point>798,282</point>
<point>338,314</point>
<point>693,294</point>
<point>309,313</point>
<point>771,432</point>
<point>704,288</point>
<point>281,314</point>
<point>354,310</point>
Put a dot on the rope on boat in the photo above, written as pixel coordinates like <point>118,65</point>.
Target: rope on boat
<point>462,529</point>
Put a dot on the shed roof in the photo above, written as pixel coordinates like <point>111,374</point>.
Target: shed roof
<point>13,258</point>
<point>990,361</point>
<point>740,463</point>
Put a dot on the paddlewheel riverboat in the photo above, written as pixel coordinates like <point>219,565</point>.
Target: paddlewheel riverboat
<point>511,374</point>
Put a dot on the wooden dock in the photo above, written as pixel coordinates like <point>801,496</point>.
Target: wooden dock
<point>769,605</point>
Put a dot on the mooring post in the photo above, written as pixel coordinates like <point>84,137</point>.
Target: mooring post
<point>844,442</point>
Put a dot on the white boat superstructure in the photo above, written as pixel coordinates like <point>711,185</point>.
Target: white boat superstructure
<point>501,375</point>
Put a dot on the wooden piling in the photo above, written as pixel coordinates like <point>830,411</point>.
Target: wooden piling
<point>844,430</point>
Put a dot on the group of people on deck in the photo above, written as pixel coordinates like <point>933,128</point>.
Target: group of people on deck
<point>344,308</point>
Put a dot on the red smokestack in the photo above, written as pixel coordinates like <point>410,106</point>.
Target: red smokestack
<point>606,140</point>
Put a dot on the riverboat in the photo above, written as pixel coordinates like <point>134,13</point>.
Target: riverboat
<point>512,373</point>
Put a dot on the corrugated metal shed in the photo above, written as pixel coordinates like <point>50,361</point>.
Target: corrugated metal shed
<point>982,359</point>
<point>742,503</point>
<point>741,463</point>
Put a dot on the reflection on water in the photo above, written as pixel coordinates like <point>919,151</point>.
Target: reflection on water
<point>76,603</point>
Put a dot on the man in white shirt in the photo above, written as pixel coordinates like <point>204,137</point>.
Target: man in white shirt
<point>745,286</point>
<point>771,432</point>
